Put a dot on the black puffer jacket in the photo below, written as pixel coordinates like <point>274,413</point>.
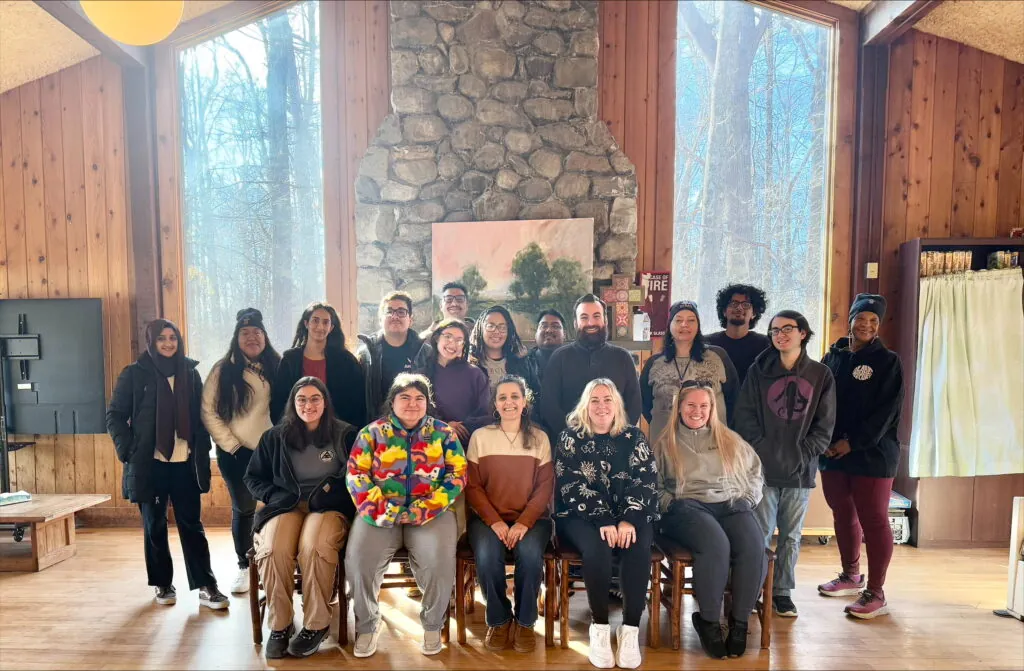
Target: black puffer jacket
<point>346,383</point>
<point>869,398</point>
<point>271,479</point>
<point>370,355</point>
<point>131,423</point>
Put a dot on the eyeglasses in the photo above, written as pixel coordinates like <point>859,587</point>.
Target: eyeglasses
<point>496,328</point>
<point>459,300</point>
<point>746,305</point>
<point>312,400</point>
<point>401,313</point>
<point>449,338</point>
<point>785,330</point>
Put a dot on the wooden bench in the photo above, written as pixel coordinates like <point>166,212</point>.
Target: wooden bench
<point>52,521</point>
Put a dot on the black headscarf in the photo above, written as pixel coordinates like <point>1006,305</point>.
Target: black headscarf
<point>172,407</point>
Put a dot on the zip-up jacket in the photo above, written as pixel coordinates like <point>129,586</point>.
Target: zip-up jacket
<point>869,396</point>
<point>271,479</point>
<point>345,383</point>
<point>370,355</point>
<point>405,476</point>
<point>787,417</point>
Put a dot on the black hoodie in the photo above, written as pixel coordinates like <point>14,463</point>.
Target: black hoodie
<point>787,417</point>
<point>869,391</point>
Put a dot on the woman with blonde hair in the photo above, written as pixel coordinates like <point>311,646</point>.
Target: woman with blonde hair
<point>606,505</point>
<point>709,482</point>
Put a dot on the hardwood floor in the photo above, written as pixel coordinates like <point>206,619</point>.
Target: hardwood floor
<point>95,611</point>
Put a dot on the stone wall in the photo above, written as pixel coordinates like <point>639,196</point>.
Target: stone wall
<point>494,118</point>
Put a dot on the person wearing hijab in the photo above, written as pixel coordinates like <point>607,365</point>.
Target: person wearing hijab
<point>154,421</point>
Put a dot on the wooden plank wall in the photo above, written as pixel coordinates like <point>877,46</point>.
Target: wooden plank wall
<point>954,148</point>
<point>65,234</point>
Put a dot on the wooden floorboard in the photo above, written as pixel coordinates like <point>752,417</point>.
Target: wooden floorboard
<point>95,611</point>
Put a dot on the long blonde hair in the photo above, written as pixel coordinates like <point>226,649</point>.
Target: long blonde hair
<point>730,444</point>
<point>579,418</point>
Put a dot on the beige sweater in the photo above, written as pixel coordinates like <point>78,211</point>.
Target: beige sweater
<point>244,429</point>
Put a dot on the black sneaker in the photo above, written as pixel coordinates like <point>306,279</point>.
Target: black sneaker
<point>166,596</point>
<point>710,634</point>
<point>277,645</point>
<point>306,642</point>
<point>736,641</point>
<point>212,598</point>
<point>784,606</point>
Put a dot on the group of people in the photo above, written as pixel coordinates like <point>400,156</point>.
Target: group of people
<point>378,447</point>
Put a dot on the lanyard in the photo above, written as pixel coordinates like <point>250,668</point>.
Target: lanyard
<point>682,375</point>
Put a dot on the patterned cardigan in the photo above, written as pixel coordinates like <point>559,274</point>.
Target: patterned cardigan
<point>587,487</point>
<point>400,476</point>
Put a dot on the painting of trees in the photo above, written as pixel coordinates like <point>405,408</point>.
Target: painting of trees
<point>751,160</point>
<point>251,174</point>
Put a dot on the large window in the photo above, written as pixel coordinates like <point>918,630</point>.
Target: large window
<point>753,128</point>
<point>251,162</point>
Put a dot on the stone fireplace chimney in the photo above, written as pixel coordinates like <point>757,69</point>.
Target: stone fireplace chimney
<point>494,118</point>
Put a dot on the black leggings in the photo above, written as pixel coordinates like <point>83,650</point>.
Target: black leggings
<point>634,567</point>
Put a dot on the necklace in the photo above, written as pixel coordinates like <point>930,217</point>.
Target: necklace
<point>512,440</point>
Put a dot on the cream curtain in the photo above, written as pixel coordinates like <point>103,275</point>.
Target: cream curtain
<point>969,393</point>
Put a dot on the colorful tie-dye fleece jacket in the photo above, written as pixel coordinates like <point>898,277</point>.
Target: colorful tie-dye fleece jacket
<point>398,476</point>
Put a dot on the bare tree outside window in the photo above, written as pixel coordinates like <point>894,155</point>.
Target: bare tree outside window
<point>252,177</point>
<point>753,124</point>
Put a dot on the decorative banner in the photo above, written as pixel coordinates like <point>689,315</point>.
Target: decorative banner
<point>621,297</point>
<point>656,287</point>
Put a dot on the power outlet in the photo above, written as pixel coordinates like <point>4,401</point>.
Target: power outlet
<point>871,271</point>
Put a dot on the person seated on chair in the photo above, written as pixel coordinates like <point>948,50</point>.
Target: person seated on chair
<point>404,473</point>
<point>710,482</point>
<point>511,481</point>
<point>297,471</point>
<point>607,503</point>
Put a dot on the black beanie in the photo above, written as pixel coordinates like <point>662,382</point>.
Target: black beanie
<point>679,306</point>
<point>249,317</point>
<point>868,303</point>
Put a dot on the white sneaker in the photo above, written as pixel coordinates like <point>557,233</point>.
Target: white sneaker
<point>601,654</point>
<point>241,584</point>
<point>366,644</point>
<point>431,643</point>
<point>627,642</point>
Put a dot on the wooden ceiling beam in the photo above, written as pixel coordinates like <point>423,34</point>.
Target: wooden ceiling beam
<point>72,16</point>
<point>885,21</point>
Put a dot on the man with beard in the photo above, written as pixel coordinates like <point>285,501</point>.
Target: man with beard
<point>571,367</point>
<point>550,336</point>
<point>739,308</point>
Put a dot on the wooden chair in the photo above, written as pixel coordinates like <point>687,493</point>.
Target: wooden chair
<point>465,578</point>
<point>405,580</point>
<point>339,602</point>
<point>673,576</point>
<point>569,556</point>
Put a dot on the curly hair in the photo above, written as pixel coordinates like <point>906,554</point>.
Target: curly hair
<point>756,297</point>
<point>513,347</point>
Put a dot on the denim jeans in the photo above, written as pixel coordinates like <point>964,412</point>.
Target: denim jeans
<point>785,508</point>
<point>243,504</point>
<point>489,555</point>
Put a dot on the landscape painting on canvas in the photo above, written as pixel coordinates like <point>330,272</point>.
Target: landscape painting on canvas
<point>528,266</point>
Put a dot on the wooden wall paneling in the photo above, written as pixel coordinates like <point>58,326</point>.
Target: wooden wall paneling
<point>648,214</point>
<point>635,130</point>
<point>77,235</point>
<point>53,187</point>
<point>1011,150</point>
<point>44,452</point>
<point>665,139</point>
<point>845,65</point>
<point>873,69</point>
<point>85,465</point>
<point>965,165</point>
<point>993,509</point>
<point>612,67</point>
<point>894,208</point>
<point>3,227</point>
<point>32,184</point>
<point>989,135</point>
<point>945,510</point>
<point>338,290</point>
<point>940,198</point>
<point>64,464</point>
<point>378,65</point>
<point>922,109</point>
<point>357,138</point>
<point>168,195</point>
<point>14,196</point>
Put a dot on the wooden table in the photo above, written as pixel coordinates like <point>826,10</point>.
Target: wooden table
<point>52,520</point>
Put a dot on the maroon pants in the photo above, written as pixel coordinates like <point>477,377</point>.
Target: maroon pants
<point>860,510</point>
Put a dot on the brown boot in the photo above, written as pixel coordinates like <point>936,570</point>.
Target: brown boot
<point>523,639</point>
<point>497,637</point>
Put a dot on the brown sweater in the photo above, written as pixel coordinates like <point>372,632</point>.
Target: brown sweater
<point>507,482</point>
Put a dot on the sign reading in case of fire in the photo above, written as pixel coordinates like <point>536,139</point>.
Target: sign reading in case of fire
<point>655,287</point>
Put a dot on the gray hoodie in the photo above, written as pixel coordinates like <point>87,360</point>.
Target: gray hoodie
<point>704,476</point>
<point>787,416</point>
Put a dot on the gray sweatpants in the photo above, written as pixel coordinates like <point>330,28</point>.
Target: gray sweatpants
<point>432,558</point>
